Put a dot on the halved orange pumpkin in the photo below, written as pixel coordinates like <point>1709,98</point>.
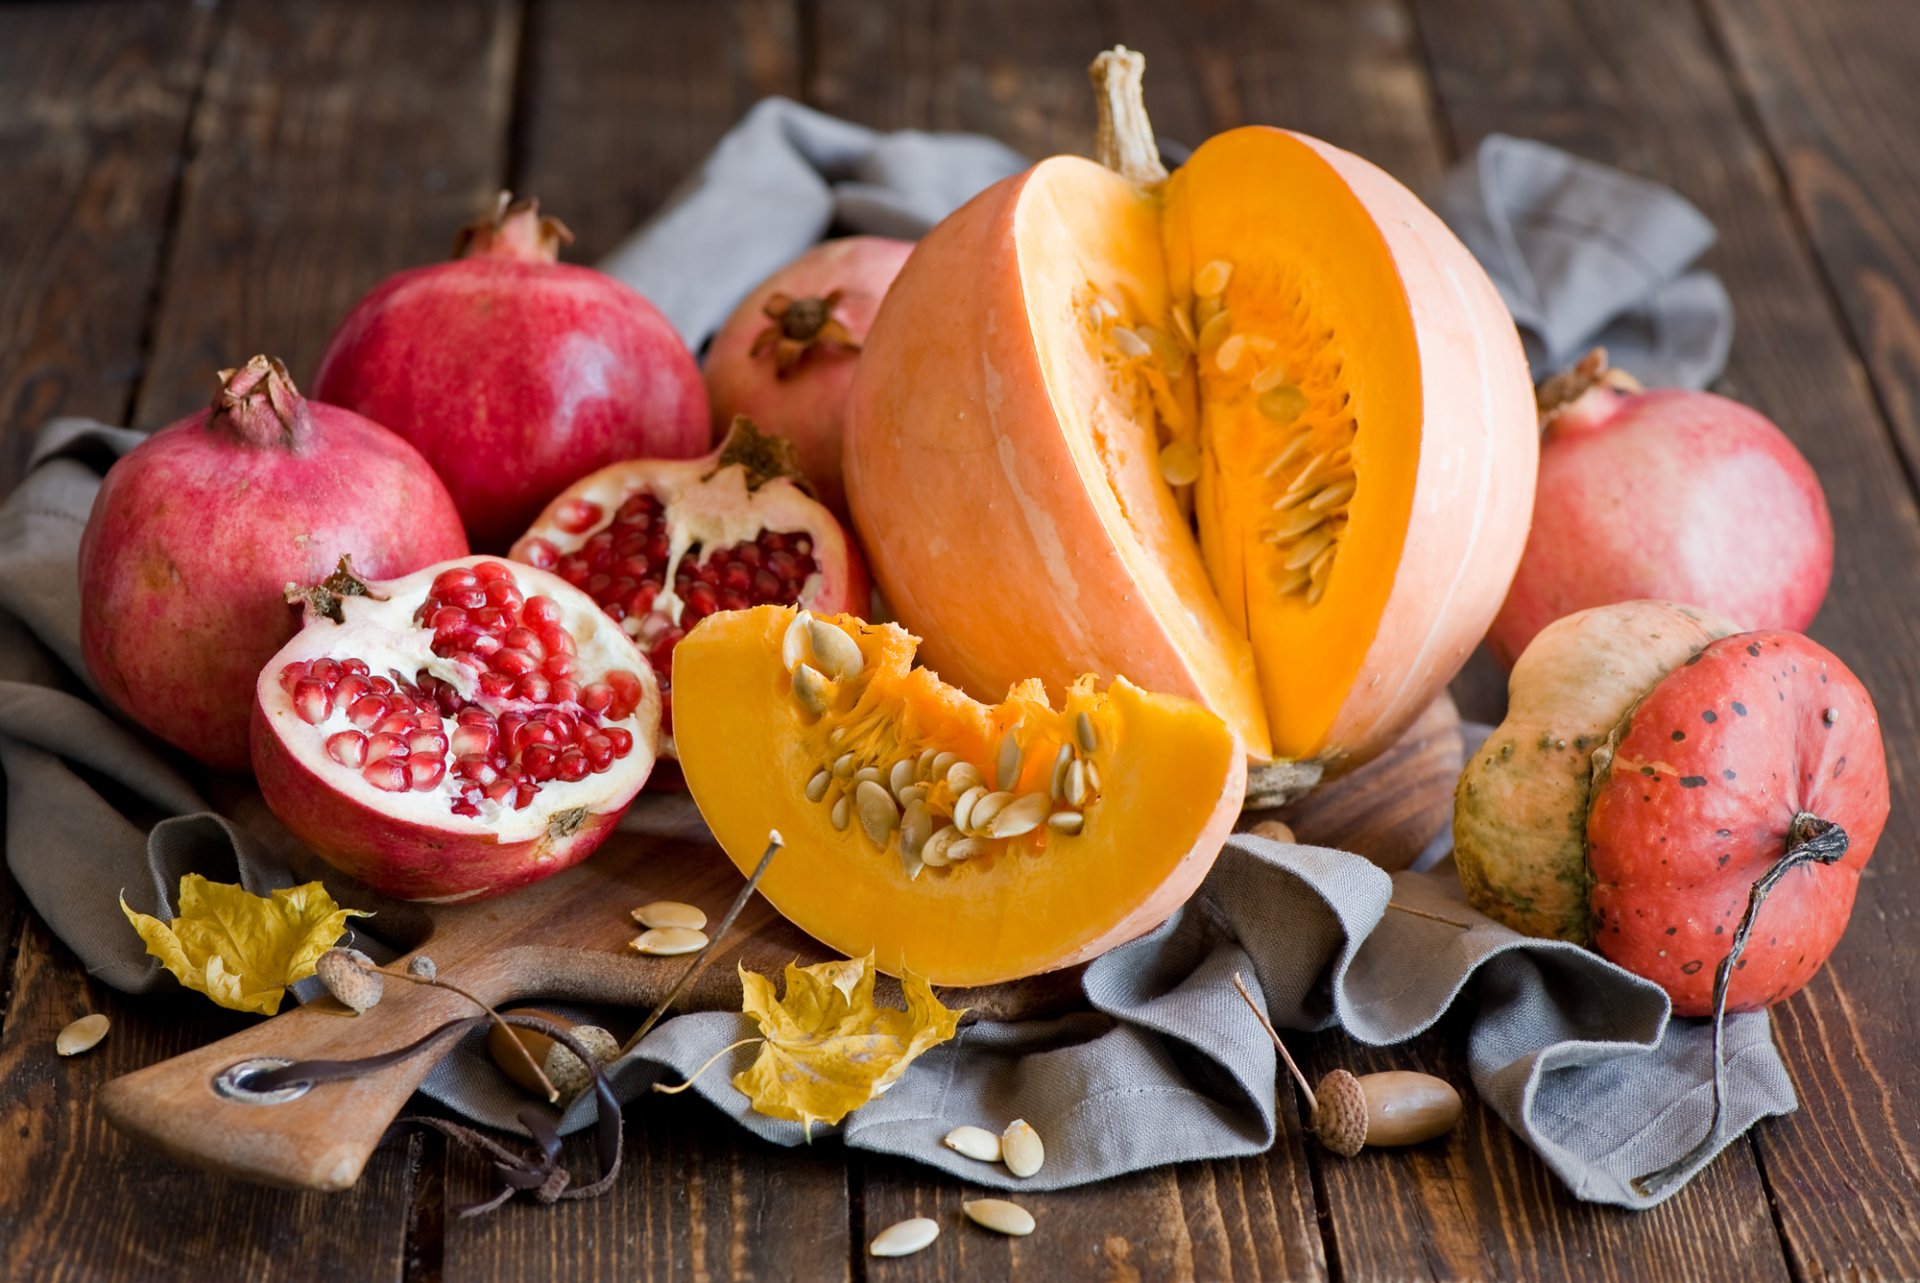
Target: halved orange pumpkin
<point>1260,433</point>
<point>965,842</point>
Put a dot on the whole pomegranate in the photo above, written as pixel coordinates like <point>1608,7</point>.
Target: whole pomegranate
<point>1670,494</point>
<point>662,544</point>
<point>197,532</point>
<point>454,733</point>
<point>514,373</point>
<point>785,357</point>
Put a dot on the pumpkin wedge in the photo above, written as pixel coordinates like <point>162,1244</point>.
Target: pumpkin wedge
<point>1260,433</point>
<point>966,842</point>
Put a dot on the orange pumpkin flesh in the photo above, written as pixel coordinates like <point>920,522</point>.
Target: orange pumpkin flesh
<point>1163,791</point>
<point>1009,462</point>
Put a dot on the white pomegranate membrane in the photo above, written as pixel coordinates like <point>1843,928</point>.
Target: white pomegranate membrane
<point>460,694</point>
<point>716,556</point>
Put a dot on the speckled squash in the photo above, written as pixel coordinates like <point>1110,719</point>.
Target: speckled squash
<point>1520,809</point>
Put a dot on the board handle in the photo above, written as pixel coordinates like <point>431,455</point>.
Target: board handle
<point>196,1108</point>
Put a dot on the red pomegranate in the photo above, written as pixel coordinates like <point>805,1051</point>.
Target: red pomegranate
<point>1682,496</point>
<point>514,373</point>
<point>455,733</point>
<point>197,532</point>
<point>1752,774</point>
<point>662,544</point>
<point>786,356</point>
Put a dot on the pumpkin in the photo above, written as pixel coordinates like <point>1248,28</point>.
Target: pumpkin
<point>1520,808</point>
<point>965,842</point>
<point>1659,775</point>
<point>1259,434</point>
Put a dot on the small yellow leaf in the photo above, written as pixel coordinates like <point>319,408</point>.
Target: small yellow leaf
<point>240,949</point>
<point>829,1049</point>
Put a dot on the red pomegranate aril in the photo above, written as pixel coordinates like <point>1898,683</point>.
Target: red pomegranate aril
<point>541,761</point>
<point>389,774</point>
<point>579,516</point>
<point>496,685</point>
<point>312,700</point>
<point>574,766</point>
<point>565,691</point>
<point>382,685</point>
<point>475,767</point>
<point>627,693</point>
<point>557,666</point>
<point>472,738</point>
<point>385,745</point>
<point>349,748</point>
<point>424,773</point>
<point>515,663</point>
<point>326,671</point>
<point>598,747</point>
<point>539,552</point>
<point>622,740</point>
<point>493,571</point>
<point>596,697</point>
<point>431,742</point>
<point>534,688</point>
<point>366,711</point>
<point>523,795</point>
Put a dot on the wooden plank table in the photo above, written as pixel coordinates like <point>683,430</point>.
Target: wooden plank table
<point>189,184</point>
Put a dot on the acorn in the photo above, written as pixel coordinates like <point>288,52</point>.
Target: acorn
<point>568,1074</point>
<point>351,977</point>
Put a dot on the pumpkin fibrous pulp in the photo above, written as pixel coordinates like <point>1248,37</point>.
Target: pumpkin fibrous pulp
<point>1259,433</point>
<point>964,842</point>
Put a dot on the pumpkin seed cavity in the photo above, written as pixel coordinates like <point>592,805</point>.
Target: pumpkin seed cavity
<point>930,805</point>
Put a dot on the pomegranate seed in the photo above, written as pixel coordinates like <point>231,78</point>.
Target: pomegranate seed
<point>503,595</point>
<point>290,676</point>
<point>766,587</point>
<point>424,773</point>
<point>502,788</point>
<point>565,690</point>
<point>382,685</point>
<point>541,761</point>
<point>565,729</point>
<point>733,599</point>
<point>356,666</point>
<point>312,700</point>
<point>463,807</point>
<point>425,741</point>
<point>596,697</point>
<point>577,516</point>
<point>385,745</point>
<point>483,646</point>
<point>701,601</point>
<point>473,598</point>
<point>642,599</point>
<point>515,663</point>
<point>493,571</point>
<point>533,687</point>
<point>398,722</point>
<point>350,688</point>
<point>599,750</point>
<point>349,748</point>
<point>454,580</point>
<point>574,766</point>
<point>541,612</point>
<point>449,619</point>
<point>626,693</point>
<point>557,666</point>
<point>474,767</point>
<point>498,685</point>
<point>521,637</point>
<point>366,711</point>
<point>523,795</point>
<point>622,740</point>
<point>542,554</point>
<point>472,739</point>
<point>326,671</point>
<point>387,775</point>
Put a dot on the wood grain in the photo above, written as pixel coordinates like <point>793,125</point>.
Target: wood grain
<point>336,143</point>
<point>1643,85</point>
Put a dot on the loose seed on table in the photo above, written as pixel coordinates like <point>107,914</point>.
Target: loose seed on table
<point>1020,1148</point>
<point>904,1239</point>
<point>666,942</point>
<point>974,1142</point>
<point>670,913</point>
<point>999,1215</point>
<point>85,1033</point>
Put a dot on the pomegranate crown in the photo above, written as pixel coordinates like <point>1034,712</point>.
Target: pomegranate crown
<point>763,456</point>
<point>513,229</point>
<point>1560,393</point>
<point>259,403</point>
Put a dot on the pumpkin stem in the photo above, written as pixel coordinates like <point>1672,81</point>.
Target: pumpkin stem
<point>1125,142</point>
<point>1810,840</point>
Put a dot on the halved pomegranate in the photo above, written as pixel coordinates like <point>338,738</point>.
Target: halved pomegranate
<point>663,543</point>
<point>454,733</point>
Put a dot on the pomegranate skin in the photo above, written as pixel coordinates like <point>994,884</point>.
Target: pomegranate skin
<point>516,374</point>
<point>808,404</point>
<point>1670,494</point>
<point>196,533</point>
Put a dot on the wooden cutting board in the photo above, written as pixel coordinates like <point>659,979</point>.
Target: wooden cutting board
<point>566,938</point>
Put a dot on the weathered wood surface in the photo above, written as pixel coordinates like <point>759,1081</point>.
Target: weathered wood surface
<point>194,183</point>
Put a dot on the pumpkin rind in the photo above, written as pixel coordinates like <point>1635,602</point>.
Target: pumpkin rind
<point>1705,779</point>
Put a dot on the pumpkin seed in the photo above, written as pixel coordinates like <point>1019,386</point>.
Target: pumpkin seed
<point>1316,589</point>
<point>1322,565</point>
<point>843,766</point>
<point>1308,548</point>
<point>986,808</point>
<point>999,1215</point>
<point>1093,776</point>
<point>901,775</point>
<point>963,806</point>
<point>866,775</point>
<point>1335,494</point>
<point>842,813</point>
<point>923,765</point>
<point>793,643</point>
<point>1068,822</point>
<point>1294,449</point>
<point>667,942</point>
<point>879,816</point>
<point>974,1142</point>
<point>1204,310</point>
<point>1012,756</point>
<point>934,853</point>
<point>837,654</point>
<point>1267,378</point>
<point>1211,280</point>
<point>1131,345</point>
<point>812,689</point>
<point>1166,348</point>
<point>1059,777</point>
<point>962,776</point>
<point>1103,309</point>
<point>817,785</point>
<point>1020,1148</point>
<point>1183,326</point>
<point>904,1239</point>
<point>670,913</point>
<point>963,849</point>
<point>1228,354</point>
<point>1303,479</point>
<point>942,763</point>
<point>1023,815</point>
<point>1291,581</point>
<point>913,793</point>
<point>1283,404</point>
<point>1083,732</point>
<point>916,826</point>
<point>1075,789</point>
<point>1179,464</point>
<point>85,1034</point>
<point>1296,524</point>
<point>1216,330</point>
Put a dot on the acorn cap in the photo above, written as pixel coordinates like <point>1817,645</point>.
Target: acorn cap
<point>1340,1113</point>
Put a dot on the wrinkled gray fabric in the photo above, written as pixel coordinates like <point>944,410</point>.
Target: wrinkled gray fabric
<point>1165,1065</point>
<point>1584,254</point>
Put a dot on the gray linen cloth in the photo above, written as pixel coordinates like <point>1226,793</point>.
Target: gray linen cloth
<point>1577,1056</point>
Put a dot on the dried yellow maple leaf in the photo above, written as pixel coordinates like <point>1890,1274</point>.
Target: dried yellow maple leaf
<point>240,949</point>
<point>828,1049</point>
